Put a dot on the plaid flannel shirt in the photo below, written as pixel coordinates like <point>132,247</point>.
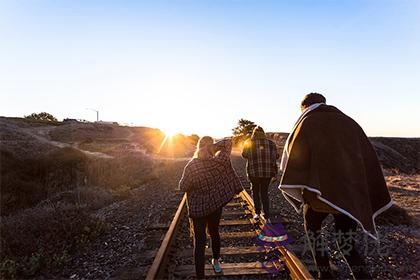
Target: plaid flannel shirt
<point>261,155</point>
<point>210,183</point>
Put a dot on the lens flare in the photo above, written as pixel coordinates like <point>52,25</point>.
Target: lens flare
<point>169,134</point>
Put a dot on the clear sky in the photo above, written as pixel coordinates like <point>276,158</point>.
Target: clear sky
<point>197,66</point>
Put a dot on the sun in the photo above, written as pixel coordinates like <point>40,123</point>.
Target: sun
<point>167,140</point>
<point>170,132</point>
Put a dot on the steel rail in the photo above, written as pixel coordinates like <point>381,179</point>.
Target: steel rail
<point>156,270</point>
<point>296,267</point>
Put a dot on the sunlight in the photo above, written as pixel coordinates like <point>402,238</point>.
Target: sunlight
<point>164,142</point>
<point>169,134</point>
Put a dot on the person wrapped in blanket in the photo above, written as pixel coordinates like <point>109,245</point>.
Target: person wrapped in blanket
<point>330,167</point>
<point>210,183</point>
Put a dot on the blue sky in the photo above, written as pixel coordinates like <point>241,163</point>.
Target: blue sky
<point>197,66</point>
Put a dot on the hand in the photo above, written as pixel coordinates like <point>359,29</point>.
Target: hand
<point>273,179</point>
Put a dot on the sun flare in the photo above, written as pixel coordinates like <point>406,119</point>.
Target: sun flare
<point>167,140</point>
<point>170,132</point>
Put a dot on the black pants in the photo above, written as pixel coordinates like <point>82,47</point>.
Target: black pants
<point>212,222</point>
<point>345,229</point>
<point>260,194</point>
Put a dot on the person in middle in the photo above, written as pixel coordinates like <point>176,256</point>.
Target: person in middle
<point>210,183</point>
<point>261,155</point>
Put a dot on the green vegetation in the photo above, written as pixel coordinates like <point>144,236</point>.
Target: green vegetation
<point>243,130</point>
<point>43,116</point>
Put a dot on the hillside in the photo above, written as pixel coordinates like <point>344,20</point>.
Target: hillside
<point>39,160</point>
<point>74,187</point>
<point>395,153</point>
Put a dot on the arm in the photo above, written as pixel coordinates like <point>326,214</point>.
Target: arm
<point>224,148</point>
<point>186,181</point>
<point>275,152</point>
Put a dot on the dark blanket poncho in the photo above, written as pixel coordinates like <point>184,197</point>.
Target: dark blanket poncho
<point>332,161</point>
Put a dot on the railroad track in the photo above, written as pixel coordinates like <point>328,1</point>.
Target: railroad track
<point>236,224</point>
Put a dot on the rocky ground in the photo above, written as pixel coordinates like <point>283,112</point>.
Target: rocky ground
<point>137,226</point>
<point>137,223</point>
<point>135,229</point>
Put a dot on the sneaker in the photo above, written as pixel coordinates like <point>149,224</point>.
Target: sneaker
<point>256,216</point>
<point>216,265</point>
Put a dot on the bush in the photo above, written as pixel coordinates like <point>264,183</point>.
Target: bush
<point>43,116</point>
<point>26,182</point>
<point>42,238</point>
<point>91,197</point>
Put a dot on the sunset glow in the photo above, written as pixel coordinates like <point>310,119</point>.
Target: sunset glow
<point>202,65</point>
<point>171,132</point>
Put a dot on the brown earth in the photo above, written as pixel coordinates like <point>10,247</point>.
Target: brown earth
<point>118,176</point>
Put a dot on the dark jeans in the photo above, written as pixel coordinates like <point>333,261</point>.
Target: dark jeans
<point>260,194</point>
<point>345,229</point>
<point>212,222</point>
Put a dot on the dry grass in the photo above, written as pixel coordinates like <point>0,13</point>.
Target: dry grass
<point>42,237</point>
<point>26,182</point>
<point>405,191</point>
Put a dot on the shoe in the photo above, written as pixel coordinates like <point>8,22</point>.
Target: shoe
<point>256,216</point>
<point>216,265</point>
<point>325,273</point>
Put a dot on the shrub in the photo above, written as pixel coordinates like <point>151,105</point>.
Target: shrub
<point>42,237</point>
<point>43,116</point>
<point>91,197</point>
<point>26,182</point>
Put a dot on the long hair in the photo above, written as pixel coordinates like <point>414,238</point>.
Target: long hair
<point>204,147</point>
<point>258,132</point>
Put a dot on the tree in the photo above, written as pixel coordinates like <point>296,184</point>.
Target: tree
<point>243,130</point>
<point>43,116</point>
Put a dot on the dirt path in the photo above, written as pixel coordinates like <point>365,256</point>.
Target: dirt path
<point>41,134</point>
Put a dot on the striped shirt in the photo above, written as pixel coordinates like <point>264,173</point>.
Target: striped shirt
<point>261,155</point>
<point>210,183</point>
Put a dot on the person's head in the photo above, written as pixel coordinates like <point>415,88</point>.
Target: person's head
<point>205,148</point>
<point>258,132</point>
<point>310,99</point>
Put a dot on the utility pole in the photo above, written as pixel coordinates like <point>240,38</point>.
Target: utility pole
<point>97,113</point>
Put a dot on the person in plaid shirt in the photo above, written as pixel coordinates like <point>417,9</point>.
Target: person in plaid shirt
<point>261,154</point>
<point>210,183</point>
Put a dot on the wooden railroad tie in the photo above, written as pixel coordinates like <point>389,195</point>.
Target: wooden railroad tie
<point>229,269</point>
